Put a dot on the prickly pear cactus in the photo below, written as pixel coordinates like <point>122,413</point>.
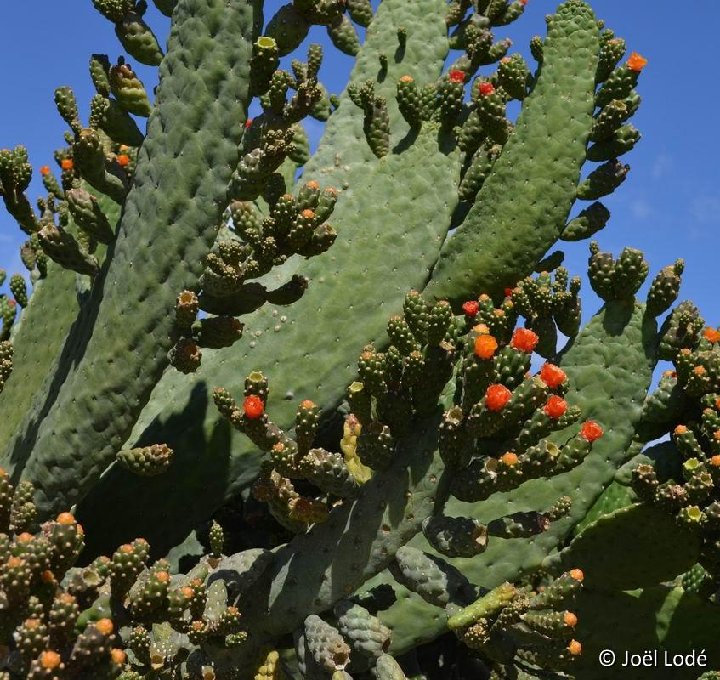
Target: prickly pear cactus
<point>267,413</point>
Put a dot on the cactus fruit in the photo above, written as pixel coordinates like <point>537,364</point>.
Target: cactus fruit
<point>338,377</point>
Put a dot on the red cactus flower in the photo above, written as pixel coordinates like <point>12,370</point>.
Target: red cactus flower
<point>508,292</point>
<point>123,160</point>
<point>254,407</point>
<point>485,346</point>
<point>590,431</point>
<point>553,376</point>
<point>711,335</point>
<point>486,89</point>
<point>66,164</point>
<point>45,170</point>
<point>524,339</point>
<point>636,62</point>
<point>457,76</point>
<point>471,308</point>
<point>496,397</point>
<point>248,123</point>
<point>555,407</point>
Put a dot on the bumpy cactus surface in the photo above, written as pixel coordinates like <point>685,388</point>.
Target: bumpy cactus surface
<point>272,414</point>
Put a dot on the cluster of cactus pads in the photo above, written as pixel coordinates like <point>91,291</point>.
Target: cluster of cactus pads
<point>480,494</point>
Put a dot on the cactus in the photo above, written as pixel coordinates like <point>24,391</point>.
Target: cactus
<point>328,388</point>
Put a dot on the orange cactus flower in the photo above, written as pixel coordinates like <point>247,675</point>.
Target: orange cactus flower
<point>509,458</point>
<point>636,62</point>
<point>45,170</point>
<point>162,576</point>
<point>553,376</point>
<point>715,461</point>
<point>123,160</point>
<point>457,76</point>
<point>555,407</point>
<point>577,574</point>
<point>470,308</point>
<point>711,335</point>
<point>308,214</point>
<point>254,407</point>
<point>485,346</point>
<point>307,404</point>
<point>524,339</point>
<point>574,648</point>
<point>407,79</point>
<point>486,89</point>
<point>67,164</point>
<point>497,397</point>
<point>680,429</point>
<point>570,619</point>
<point>49,659</point>
<point>313,184</point>
<point>104,626</point>
<point>590,431</point>
<point>699,370</point>
<point>118,656</point>
<point>65,518</point>
<point>47,576</point>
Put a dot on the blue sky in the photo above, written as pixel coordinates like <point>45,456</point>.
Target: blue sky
<point>669,207</point>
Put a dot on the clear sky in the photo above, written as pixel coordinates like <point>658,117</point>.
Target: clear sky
<point>669,206</point>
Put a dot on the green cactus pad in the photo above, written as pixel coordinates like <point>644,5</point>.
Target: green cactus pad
<point>76,439</point>
<point>636,546</point>
<point>525,202</point>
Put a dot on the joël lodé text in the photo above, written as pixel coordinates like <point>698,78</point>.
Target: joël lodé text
<point>663,658</point>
